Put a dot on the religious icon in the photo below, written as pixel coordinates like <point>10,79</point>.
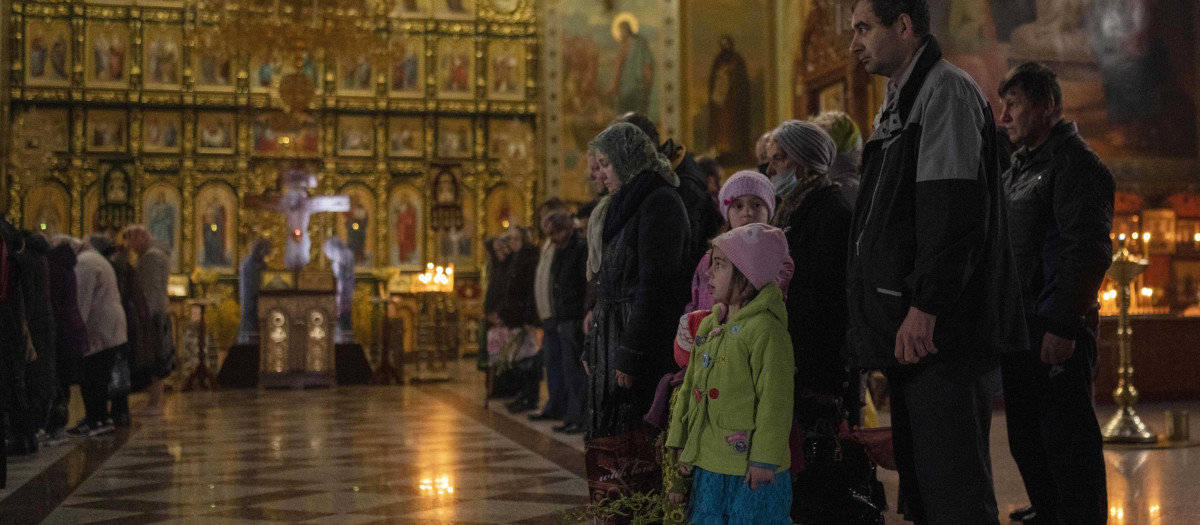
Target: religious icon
<point>454,9</point>
<point>105,130</point>
<point>106,54</point>
<point>47,52</point>
<point>264,69</point>
<point>407,76</point>
<point>116,187</point>
<point>633,74</point>
<point>454,138</point>
<point>457,245</point>
<point>406,137</point>
<point>356,136</point>
<point>215,132</point>
<point>357,226</point>
<point>405,222</point>
<point>161,209</point>
<point>161,132</point>
<point>47,208</point>
<point>216,226</point>
<point>506,70</point>
<point>503,208</point>
<point>161,63</point>
<point>409,9</point>
<point>303,138</point>
<point>456,68</point>
<point>214,69</point>
<point>510,139</point>
<point>355,75</point>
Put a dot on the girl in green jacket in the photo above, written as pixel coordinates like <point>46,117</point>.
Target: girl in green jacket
<point>732,418</point>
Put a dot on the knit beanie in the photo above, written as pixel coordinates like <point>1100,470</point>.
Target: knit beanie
<point>747,182</point>
<point>630,152</point>
<point>841,129</point>
<point>807,144</point>
<point>756,250</point>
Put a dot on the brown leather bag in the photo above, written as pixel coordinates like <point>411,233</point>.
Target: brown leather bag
<point>876,441</point>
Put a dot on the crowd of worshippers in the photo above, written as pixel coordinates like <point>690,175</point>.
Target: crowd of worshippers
<point>710,337</point>
<point>92,313</point>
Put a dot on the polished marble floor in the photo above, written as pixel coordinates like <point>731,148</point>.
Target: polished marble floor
<point>416,454</point>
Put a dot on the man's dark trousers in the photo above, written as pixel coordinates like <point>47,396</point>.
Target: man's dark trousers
<point>1053,432</point>
<point>941,425</point>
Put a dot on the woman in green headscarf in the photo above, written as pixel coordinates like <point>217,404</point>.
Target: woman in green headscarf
<point>642,287</point>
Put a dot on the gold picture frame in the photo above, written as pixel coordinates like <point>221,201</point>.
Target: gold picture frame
<point>48,59</point>
<point>107,131</point>
<point>406,72</point>
<point>506,70</point>
<point>455,68</point>
<point>216,132</point>
<point>406,137</point>
<point>162,56</point>
<point>355,136</point>
<point>106,52</point>
<point>162,132</point>
<point>455,139</point>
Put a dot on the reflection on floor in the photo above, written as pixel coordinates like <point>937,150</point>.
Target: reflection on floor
<point>414,454</point>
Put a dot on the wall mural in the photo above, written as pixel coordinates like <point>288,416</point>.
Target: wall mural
<point>1128,69</point>
<point>599,64</point>
<point>728,58</point>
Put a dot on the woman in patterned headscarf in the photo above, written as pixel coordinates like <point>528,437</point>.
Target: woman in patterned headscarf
<point>641,290</point>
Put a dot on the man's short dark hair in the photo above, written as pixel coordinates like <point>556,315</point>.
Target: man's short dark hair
<point>559,222</point>
<point>1038,82</point>
<point>643,123</point>
<point>553,203</point>
<point>889,11</point>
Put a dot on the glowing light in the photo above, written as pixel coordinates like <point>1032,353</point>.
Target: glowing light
<point>1196,237</point>
<point>43,226</point>
<point>212,227</point>
<point>355,226</point>
<point>1121,237</point>
<point>1154,509</point>
<point>1147,291</point>
<point>504,224</point>
<point>1146,236</point>
<point>436,487</point>
<point>1135,236</point>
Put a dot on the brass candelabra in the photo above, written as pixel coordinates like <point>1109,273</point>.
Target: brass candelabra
<point>1125,426</point>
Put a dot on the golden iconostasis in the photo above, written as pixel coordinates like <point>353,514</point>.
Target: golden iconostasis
<point>124,114</point>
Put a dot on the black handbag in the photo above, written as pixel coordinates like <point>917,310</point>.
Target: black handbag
<point>837,486</point>
<point>120,383</point>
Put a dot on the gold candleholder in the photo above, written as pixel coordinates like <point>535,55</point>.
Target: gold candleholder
<point>1125,426</point>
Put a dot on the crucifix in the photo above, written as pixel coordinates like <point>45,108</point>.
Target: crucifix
<point>296,207</point>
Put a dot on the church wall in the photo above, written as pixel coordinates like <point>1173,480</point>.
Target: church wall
<point>142,125</point>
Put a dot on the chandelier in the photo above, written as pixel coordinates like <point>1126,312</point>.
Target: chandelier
<point>298,30</point>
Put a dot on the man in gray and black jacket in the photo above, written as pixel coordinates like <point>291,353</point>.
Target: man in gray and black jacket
<point>932,289</point>
<point>1060,201</point>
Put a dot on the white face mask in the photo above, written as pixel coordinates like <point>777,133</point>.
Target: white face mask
<point>784,180</point>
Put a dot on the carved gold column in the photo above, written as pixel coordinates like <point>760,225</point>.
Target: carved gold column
<point>1125,426</point>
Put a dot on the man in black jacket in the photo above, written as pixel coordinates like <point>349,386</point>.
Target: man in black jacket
<point>1060,200</point>
<point>932,289</point>
<point>568,286</point>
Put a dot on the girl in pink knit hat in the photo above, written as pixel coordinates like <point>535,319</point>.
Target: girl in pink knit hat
<point>747,197</point>
<point>731,420</point>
